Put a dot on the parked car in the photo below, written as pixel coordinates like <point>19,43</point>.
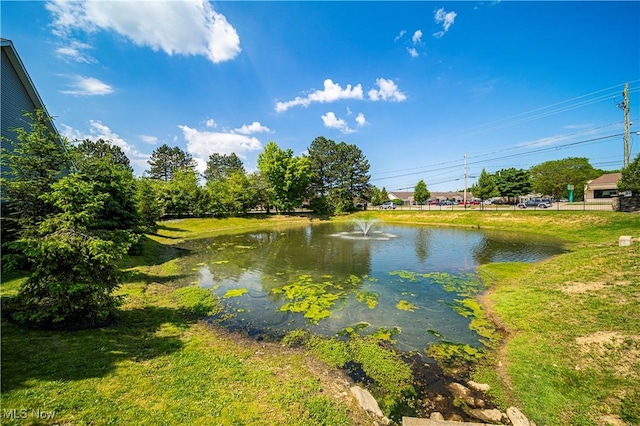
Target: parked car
<point>388,205</point>
<point>540,203</point>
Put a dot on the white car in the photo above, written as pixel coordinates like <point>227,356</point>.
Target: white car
<point>388,205</point>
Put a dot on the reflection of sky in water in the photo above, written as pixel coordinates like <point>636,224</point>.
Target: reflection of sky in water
<point>262,261</point>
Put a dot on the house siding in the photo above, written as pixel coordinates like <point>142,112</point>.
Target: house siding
<point>15,101</point>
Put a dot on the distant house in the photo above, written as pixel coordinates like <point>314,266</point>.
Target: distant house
<point>451,195</point>
<point>19,94</point>
<point>406,197</point>
<point>409,200</point>
<point>604,187</point>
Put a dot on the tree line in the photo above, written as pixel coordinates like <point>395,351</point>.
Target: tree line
<point>71,211</point>
<point>550,178</point>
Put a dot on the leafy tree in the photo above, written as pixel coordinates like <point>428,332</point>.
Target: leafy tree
<point>166,161</point>
<point>485,187</point>
<point>287,176</point>
<point>263,192</point>
<point>148,203</point>
<point>552,177</point>
<point>29,167</point>
<point>631,177</point>
<point>182,194</point>
<point>74,272</point>
<point>220,167</point>
<point>232,195</point>
<point>421,194</point>
<point>109,169</point>
<point>376,196</point>
<point>512,182</point>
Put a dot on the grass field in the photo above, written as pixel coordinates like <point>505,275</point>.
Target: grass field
<point>572,355</point>
<point>572,352</point>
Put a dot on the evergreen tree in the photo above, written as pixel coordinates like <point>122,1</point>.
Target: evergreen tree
<point>340,174</point>
<point>74,269</point>
<point>30,166</point>
<point>102,149</point>
<point>221,167</point>
<point>166,161</point>
<point>109,169</point>
<point>384,196</point>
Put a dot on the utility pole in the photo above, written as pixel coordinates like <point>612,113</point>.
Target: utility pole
<point>464,200</point>
<point>624,106</point>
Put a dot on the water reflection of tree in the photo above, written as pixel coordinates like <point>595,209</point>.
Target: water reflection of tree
<point>423,244</point>
<point>509,247</point>
<point>282,256</point>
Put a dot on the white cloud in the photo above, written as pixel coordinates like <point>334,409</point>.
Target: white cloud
<point>331,93</point>
<point>400,35</point>
<point>210,123</point>
<point>413,52</point>
<point>98,130</point>
<point>149,139</point>
<point>446,19</point>
<point>387,91</point>
<point>76,51</point>
<point>332,122</point>
<point>189,27</point>
<point>202,144</point>
<point>417,37</point>
<point>87,86</point>
<point>254,127</point>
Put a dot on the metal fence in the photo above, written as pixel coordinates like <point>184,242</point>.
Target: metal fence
<point>605,205</point>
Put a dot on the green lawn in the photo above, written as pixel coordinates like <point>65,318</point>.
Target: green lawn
<point>160,365</point>
<point>572,355</point>
<point>572,352</point>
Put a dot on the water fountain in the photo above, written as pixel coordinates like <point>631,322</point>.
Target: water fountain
<point>364,232</point>
<point>365,225</point>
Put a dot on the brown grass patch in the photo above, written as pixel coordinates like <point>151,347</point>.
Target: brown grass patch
<point>611,350</point>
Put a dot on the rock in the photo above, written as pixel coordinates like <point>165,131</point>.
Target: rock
<point>479,403</point>
<point>480,387</point>
<point>367,401</point>
<point>455,418</point>
<point>491,416</point>
<point>461,392</point>
<point>436,416</point>
<point>516,417</point>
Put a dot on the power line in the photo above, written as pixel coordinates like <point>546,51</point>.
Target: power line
<point>521,154</point>
<point>483,128</point>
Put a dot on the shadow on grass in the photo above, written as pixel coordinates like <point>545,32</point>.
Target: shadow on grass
<point>37,355</point>
<point>133,276</point>
<point>152,253</point>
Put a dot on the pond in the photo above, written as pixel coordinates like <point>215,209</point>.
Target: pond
<point>410,283</point>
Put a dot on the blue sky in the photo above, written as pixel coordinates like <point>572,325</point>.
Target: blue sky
<point>415,85</point>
